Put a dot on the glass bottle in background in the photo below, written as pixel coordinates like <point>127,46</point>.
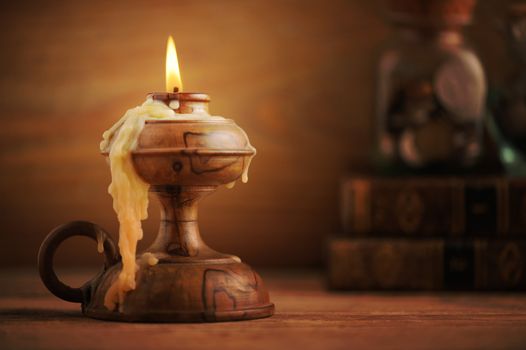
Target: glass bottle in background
<point>431,91</point>
<point>508,101</point>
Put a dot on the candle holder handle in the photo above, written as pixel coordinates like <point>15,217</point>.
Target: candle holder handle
<point>47,252</point>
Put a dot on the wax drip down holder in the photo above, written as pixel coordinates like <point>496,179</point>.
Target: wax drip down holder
<point>183,161</point>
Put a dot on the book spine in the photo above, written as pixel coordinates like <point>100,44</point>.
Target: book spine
<point>517,207</point>
<point>426,264</point>
<point>415,207</point>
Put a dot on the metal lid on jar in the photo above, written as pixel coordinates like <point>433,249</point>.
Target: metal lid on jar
<point>432,12</point>
<point>517,9</point>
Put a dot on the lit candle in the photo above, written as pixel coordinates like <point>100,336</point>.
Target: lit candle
<point>173,75</point>
<point>128,189</point>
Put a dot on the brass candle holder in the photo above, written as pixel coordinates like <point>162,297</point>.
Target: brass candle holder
<point>183,161</point>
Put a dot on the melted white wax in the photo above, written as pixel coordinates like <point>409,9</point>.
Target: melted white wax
<point>130,192</point>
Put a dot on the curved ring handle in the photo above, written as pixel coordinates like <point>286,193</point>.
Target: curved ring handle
<point>53,241</point>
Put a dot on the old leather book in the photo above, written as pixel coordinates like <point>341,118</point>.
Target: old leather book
<point>426,264</point>
<point>433,206</point>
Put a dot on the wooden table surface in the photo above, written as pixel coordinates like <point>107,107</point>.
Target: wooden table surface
<point>307,317</point>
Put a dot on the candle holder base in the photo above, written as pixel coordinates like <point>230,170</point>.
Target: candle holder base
<point>175,289</point>
<point>185,292</point>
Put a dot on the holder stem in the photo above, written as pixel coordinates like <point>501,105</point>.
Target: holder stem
<point>179,239</point>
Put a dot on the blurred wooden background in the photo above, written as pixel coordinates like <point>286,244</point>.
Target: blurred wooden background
<point>298,76</point>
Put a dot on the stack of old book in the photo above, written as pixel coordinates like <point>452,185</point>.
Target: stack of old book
<point>430,233</point>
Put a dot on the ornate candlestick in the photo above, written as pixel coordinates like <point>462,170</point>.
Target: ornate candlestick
<point>183,160</point>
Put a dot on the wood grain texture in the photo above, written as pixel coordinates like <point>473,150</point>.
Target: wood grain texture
<point>297,76</point>
<point>182,292</point>
<point>307,317</point>
<point>189,282</point>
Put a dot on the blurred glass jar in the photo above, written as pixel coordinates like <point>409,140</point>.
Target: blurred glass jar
<point>431,90</point>
<point>508,101</point>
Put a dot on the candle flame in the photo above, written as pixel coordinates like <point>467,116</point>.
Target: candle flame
<point>173,76</point>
